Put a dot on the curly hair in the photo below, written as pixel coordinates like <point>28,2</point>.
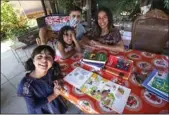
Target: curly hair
<point>62,32</point>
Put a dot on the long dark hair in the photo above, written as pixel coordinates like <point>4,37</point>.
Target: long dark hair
<point>62,31</point>
<point>110,19</point>
<point>29,66</point>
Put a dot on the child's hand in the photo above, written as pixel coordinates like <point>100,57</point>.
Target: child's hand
<point>57,88</point>
<point>73,36</point>
<point>73,22</point>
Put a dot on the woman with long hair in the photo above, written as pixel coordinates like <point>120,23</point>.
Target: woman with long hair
<point>104,35</point>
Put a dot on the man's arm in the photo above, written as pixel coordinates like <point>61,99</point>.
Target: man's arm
<point>43,35</point>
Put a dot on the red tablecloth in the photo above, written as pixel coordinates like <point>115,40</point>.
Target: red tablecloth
<point>139,101</point>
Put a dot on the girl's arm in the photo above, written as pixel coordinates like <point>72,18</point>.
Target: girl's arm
<point>56,91</point>
<point>39,102</point>
<point>62,51</point>
<point>77,46</point>
<point>119,47</point>
<point>36,103</point>
<point>43,35</point>
<point>52,97</point>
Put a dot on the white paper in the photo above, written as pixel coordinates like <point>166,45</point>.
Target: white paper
<point>78,77</point>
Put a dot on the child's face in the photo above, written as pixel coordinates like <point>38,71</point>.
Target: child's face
<point>67,37</point>
<point>43,61</point>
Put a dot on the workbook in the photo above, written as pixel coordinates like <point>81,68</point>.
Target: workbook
<point>157,82</point>
<point>93,57</point>
<point>108,93</point>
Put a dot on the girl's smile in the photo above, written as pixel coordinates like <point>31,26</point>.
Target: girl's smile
<point>43,61</point>
<point>67,37</point>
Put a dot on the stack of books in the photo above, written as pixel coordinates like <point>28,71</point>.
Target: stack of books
<point>158,83</point>
<point>110,94</point>
<point>118,67</point>
<point>94,60</point>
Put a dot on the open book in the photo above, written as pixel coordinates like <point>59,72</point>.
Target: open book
<point>108,93</point>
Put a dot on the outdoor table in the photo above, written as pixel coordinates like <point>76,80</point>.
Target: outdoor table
<point>140,101</point>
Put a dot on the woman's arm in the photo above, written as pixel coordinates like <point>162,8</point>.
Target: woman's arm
<point>62,51</point>
<point>43,35</point>
<point>85,43</point>
<point>119,47</point>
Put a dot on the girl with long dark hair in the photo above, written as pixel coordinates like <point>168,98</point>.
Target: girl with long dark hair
<point>67,45</point>
<point>42,85</point>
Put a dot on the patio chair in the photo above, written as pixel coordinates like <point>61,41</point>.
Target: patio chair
<point>29,38</point>
<point>50,34</point>
<point>150,32</point>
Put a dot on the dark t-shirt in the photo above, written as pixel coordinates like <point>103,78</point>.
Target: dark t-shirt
<point>35,92</point>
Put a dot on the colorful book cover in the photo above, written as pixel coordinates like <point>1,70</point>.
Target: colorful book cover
<point>118,67</point>
<point>157,82</point>
<point>96,66</point>
<point>108,93</point>
<point>95,57</point>
<point>55,23</point>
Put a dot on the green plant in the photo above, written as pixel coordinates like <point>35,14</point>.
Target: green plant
<point>120,8</point>
<point>65,4</point>
<point>12,24</point>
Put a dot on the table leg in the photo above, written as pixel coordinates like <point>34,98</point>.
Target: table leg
<point>19,58</point>
<point>25,53</point>
<point>15,55</point>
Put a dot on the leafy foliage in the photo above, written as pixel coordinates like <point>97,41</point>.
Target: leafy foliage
<point>12,24</point>
<point>119,8</point>
<point>129,9</point>
<point>65,4</point>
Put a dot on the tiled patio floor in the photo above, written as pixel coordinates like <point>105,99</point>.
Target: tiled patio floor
<point>11,73</point>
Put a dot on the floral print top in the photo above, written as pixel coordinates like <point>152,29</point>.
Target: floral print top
<point>113,37</point>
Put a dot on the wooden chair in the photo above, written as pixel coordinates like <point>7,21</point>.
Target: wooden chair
<point>150,32</point>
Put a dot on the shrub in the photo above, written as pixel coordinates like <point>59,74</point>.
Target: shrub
<point>12,23</point>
